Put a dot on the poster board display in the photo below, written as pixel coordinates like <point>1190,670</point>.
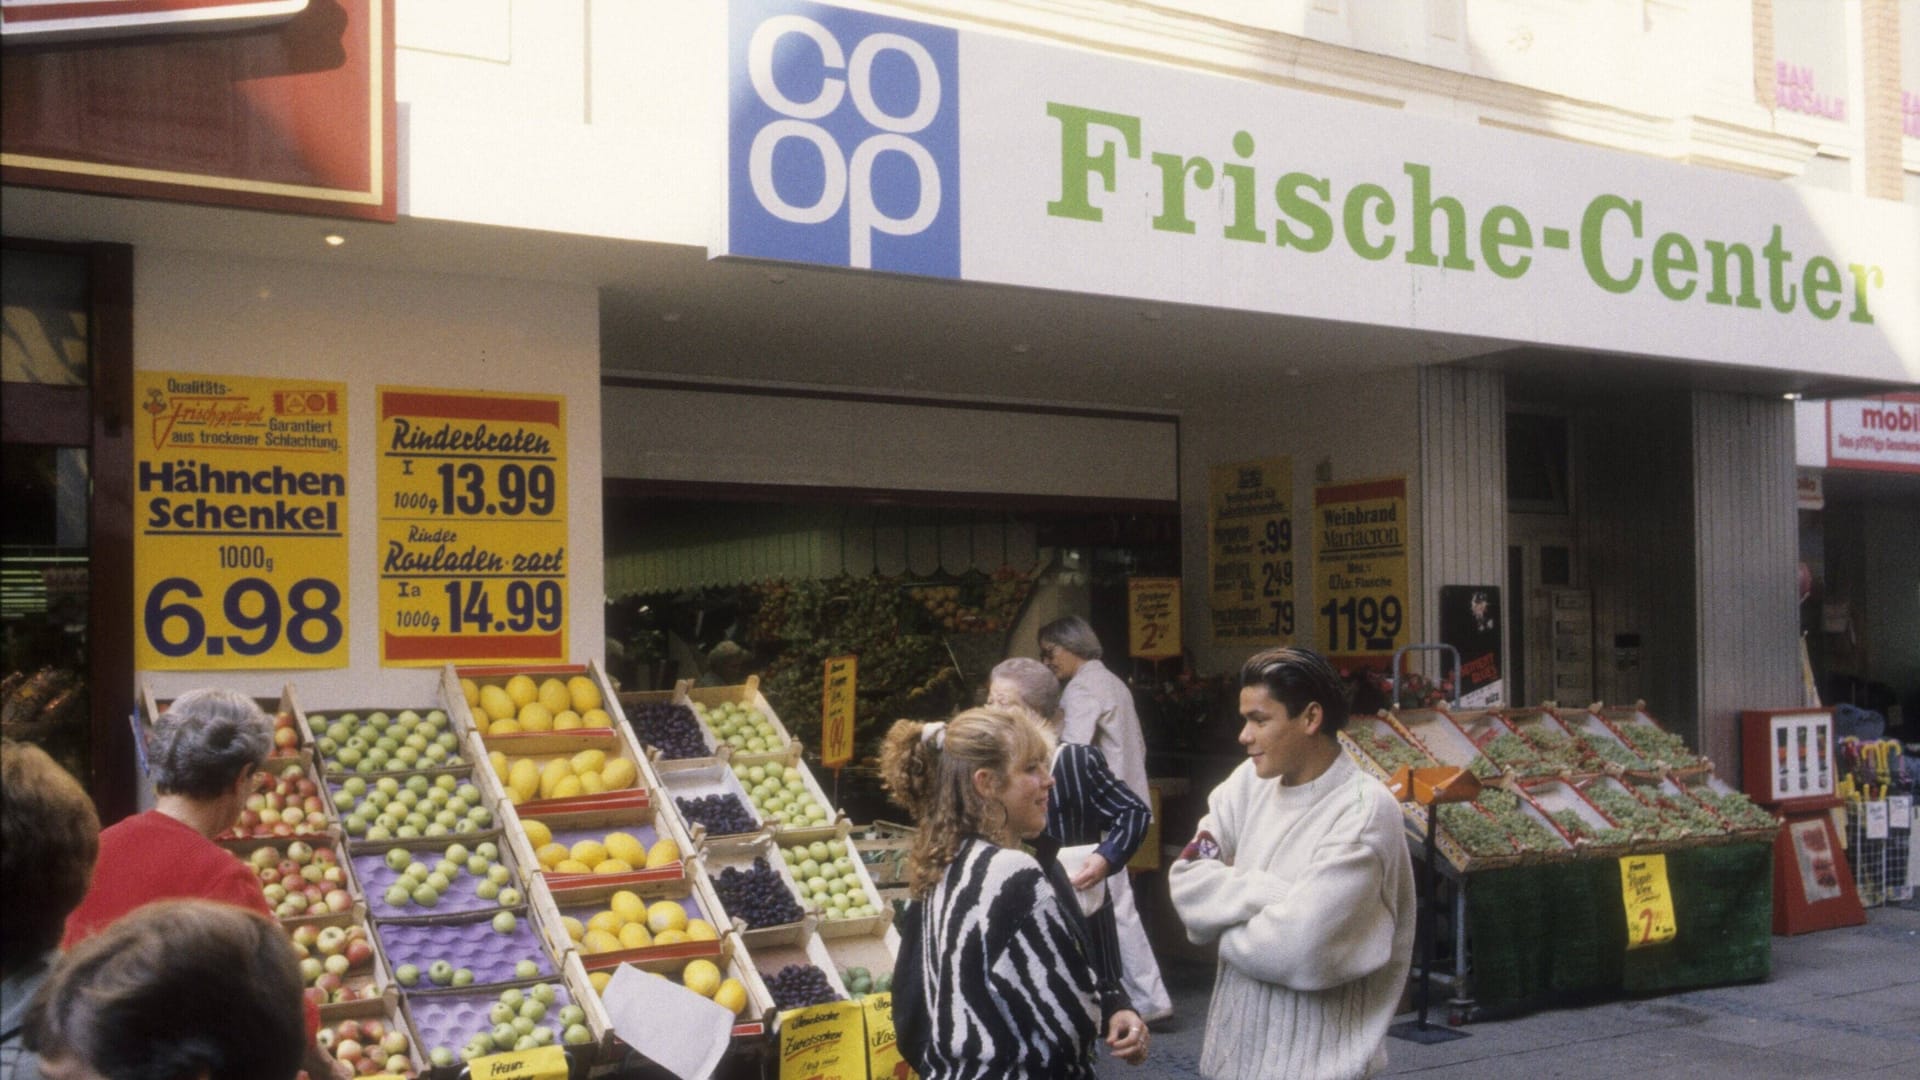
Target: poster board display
<point>240,523</point>
<point>473,527</point>
<point>1250,552</point>
<point>1153,618</point>
<point>1360,540</point>
<point>1470,622</point>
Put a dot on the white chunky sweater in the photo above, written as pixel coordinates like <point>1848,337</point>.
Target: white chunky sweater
<point>1309,892</point>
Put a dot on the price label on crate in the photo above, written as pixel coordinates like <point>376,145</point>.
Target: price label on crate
<point>240,523</point>
<point>1360,568</point>
<point>1648,900</point>
<point>473,527</point>
<point>1876,819</point>
<point>539,1063</point>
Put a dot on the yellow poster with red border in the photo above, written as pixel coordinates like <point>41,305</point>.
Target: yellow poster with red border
<point>1360,582</point>
<point>240,523</point>
<point>472,497</point>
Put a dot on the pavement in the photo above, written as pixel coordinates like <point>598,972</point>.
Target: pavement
<point>1840,1003</point>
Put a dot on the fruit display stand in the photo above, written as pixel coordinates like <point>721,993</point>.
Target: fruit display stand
<point>432,804</point>
<point>1531,863</point>
<point>787,778</point>
<point>583,902</point>
<point>476,874</point>
<point>874,952</point>
<point>760,722</point>
<point>551,769</point>
<point>832,860</point>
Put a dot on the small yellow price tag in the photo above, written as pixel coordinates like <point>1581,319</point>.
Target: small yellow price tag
<point>1649,902</point>
<point>540,1063</point>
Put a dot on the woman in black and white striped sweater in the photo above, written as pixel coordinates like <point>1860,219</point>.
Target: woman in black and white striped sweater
<point>995,977</point>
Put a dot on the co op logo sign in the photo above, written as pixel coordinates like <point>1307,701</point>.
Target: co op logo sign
<point>843,139</point>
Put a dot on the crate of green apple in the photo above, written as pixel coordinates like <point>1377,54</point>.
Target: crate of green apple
<point>784,793</point>
<point>457,1028</point>
<point>376,741</point>
<point>302,879</point>
<point>830,877</point>
<point>740,718</point>
<point>375,811</point>
<point>460,952</point>
<point>286,802</point>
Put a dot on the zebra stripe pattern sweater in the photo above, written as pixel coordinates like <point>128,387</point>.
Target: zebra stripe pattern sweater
<point>1007,990</point>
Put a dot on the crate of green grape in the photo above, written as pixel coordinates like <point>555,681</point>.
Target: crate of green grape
<point>739,717</point>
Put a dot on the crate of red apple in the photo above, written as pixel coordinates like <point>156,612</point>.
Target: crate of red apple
<point>339,966</point>
<point>285,803</point>
<point>302,879</point>
<point>370,1046</point>
<point>288,737</point>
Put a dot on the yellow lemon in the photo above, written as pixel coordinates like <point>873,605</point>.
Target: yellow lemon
<point>628,905</point>
<point>495,703</point>
<point>599,980</point>
<point>551,774</point>
<point>509,726</point>
<point>730,994</point>
<point>664,852</point>
<point>520,690</point>
<point>582,694</point>
<point>619,774</point>
<point>567,720</point>
<point>626,848</point>
<point>635,936</point>
<point>551,854</point>
<point>701,977</point>
<point>599,941</point>
<point>573,928</point>
<point>470,690</point>
<point>523,779</point>
<point>553,694</point>
<point>607,922</point>
<point>591,784</point>
<point>482,725</point>
<point>499,762</point>
<point>701,930</point>
<point>535,717</point>
<point>589,851</point>
<point>671,937</point>
<point>538,835</point>
<point>612,866</point>
<point>666,915</point>
<point>595,718</point>
<point>589,760</point>
<point>571,866</point>
<point>568,787</point>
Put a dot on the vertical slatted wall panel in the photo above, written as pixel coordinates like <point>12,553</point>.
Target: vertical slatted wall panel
<point>1745,552</point>
<point>1462,487</point>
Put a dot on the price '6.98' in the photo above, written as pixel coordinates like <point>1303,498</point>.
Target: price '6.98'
<point>308,613</point>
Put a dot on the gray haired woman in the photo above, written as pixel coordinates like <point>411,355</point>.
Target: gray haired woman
<point>203,753</point>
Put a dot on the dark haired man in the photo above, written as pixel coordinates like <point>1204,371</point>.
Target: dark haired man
<point>1300,872</point>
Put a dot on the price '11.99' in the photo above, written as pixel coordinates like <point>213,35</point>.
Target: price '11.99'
<point>177,611</point>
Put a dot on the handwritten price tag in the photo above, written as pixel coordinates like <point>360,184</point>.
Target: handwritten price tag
<point>837,697</point>
<point>540,1063</point>
<point>1648,900</point>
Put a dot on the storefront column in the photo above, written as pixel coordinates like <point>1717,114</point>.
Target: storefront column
<point>1463,484</point>
<point>1745,550</point>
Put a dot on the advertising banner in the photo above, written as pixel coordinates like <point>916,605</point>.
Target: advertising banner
<point>1360,569</point>
<point>1882,434</point>
<point>1470,622</point>
<point>240,523</point>
<point>473,527</point>
<point>1250,552</point>
<point>864,141</point>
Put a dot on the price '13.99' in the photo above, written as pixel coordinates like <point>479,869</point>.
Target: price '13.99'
<point>308,614</point>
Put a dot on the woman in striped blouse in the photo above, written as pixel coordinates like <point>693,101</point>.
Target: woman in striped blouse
<point>1090,805</point>
<point>995,977</point>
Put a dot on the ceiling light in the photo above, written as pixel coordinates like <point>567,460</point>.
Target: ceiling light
<point>1791,395</point>
<point>334,239</point>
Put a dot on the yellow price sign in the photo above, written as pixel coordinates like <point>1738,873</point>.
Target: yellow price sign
<point>1153,618</point>
<point>473,527</point>
<point>824,1042</point>
<point>1360,579</point>
<point>883,1049</point>
<point>837,699</point>
<point>1250,552</point>
<point>539,1063</point>
<point>1648,900</point>
<point>240,523</point>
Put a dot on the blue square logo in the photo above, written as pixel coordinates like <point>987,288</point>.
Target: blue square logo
<point>843,139</point>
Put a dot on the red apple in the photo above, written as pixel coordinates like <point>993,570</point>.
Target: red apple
<point>311,970</point>
<point>348,1029</point>
<point>331,940</point>
<point>347,1050</point>
<point>372,1031</point>
<point>337,900</point>
<point>370,1065</point>
<point>318,997</point>
<point>292,772</point>
<point>286,738</point>
<point>282,830</point>
<point>358,953</point>
<point>265,855</point>
<point>329,981</point>
<point>268,876</point>
<point>305,935</point>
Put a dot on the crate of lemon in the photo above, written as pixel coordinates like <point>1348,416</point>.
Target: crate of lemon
<point>559,768</point>
<point>496,702</point>
<point>591,845</point>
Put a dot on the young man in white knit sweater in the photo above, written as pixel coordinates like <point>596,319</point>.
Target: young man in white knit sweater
<point>1300,872</point>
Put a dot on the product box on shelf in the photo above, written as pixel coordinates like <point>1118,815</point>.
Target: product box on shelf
<point>453,1025</point>
<point>1557,750</point>
<point>567,769</point>
<point>676,920</point>
<point>711,803</point>
<point>1435,732</point>
<point>739,717</point>
<point>751,1021</point>
<point>831,879</point>
<point>780,961</point>
<point>1533,834</point>
<point>1497,742</point>
<point>623,832</point>
<point>1651,741</point>
<point>426,880</point>
<point>783,793</point>
<point>1732,805</point>
<point>872,954</point>
<point>1468,838</point>
<point>304,878</point>
<point>1657,812</point>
